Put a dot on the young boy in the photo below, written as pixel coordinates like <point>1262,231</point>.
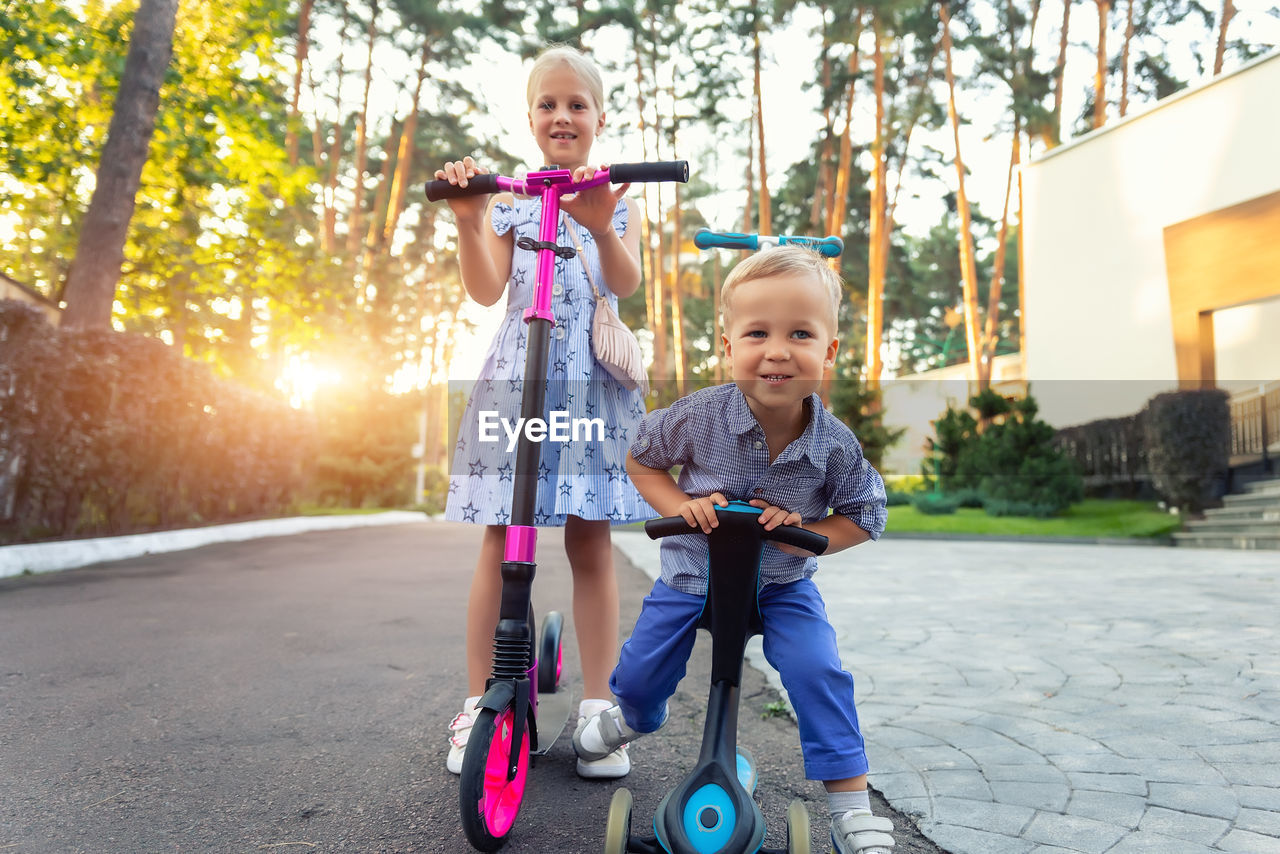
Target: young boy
<point>767,439</point>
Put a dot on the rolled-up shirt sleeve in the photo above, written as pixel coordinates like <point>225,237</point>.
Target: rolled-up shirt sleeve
<point>662,440</point>
<point>858,492</point>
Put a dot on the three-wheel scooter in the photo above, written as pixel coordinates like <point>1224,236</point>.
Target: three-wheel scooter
<point>711,811</point>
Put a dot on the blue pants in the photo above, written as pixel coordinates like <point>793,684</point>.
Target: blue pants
<point>798,641</point>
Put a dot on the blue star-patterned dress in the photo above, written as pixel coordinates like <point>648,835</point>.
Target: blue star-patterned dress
<point>582,476</point>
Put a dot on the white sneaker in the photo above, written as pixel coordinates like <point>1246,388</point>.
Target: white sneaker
<point>459,732</point>
<point>861,833</point>
<point>600,764</point>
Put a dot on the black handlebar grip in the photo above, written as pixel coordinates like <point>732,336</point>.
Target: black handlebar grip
<point>800,538</point>
<point>669,526</point>
<point>671,170</point>
<point>477,186</point>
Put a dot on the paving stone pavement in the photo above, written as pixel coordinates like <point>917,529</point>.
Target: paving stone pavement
<point>1031,698</point>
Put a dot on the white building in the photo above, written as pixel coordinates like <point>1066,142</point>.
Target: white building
<point>1151,259</point>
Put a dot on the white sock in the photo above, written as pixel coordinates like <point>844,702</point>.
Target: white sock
<point>590,708</point>
<point>842,803</point>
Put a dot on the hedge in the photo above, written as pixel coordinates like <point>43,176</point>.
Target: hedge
<point>108,432</point>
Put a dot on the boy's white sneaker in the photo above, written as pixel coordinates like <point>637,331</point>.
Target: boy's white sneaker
<point>602,758</point>
<point>459,732</point>
<point>862,833</point>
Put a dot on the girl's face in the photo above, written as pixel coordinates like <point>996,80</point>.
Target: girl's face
<point>564,118</point>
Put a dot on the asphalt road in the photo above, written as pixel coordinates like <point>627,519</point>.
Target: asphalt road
<point>291,695</point>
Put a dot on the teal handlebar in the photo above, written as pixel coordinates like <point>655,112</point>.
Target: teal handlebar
<point>828,247</point>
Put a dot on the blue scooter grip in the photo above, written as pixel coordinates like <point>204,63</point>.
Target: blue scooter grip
<point>708,239</point>
<point>827,247</point>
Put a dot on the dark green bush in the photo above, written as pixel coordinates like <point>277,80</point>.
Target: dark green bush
<point>954,431</point>
<point>1005,453</point>
<point>1004,507</point>
<point>894,498</point>
<point>1188,440</point>
<point>968,497</point>
<point>934,504</point>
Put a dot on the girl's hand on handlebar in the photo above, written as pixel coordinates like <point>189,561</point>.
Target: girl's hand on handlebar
<point>593,208</point>
<point>771,517</point>
<point>701,512</point>
<point>467,208</point>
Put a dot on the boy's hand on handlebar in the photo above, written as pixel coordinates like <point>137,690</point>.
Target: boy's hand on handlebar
<point>458,172</point>
<point>593,208</point>
<point>771,517</point>
<point>701,512</point>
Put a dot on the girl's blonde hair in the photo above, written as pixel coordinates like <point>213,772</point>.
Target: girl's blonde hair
<point>787,260</point>
<point>578,62</point>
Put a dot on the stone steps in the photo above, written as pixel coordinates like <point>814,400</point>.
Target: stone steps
<point>1246,520</point>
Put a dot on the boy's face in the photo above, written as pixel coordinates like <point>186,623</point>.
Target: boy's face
<point>779,339</point>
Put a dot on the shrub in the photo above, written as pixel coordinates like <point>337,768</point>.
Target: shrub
<point>1188,437</point>
<point>968,498</point>
<point>1004,507</point>
<point>894,498</point>
<point>932,504</point>
<point>1016,461</point>
<point>108,432</point>
<point>954,432</point>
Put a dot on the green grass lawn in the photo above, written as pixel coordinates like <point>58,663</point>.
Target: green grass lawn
<point>1090,518</point>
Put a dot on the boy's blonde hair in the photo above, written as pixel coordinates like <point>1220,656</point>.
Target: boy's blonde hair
<point>784,261</point>
<point>578,62</point>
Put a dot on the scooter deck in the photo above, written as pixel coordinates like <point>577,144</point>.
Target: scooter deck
<point>553,717</point>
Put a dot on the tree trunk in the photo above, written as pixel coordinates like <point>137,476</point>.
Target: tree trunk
<point>646,235</point>
<point>997,267</point>
<point>91,282</point>
<point>1228,12</point>
<point>300,60</point>
<point>660,337</point>
<point>362,140</point>
<point>677,298</point>
<point>820,186</point>
<point>404,158</point>
<point>1100,76</point>
<point>1124,61</point>
<point>878,237</point>
<point>1059,73</point>
<point>717,331</point>
<point>765,215</point>
<point>968,266</point>
<point>837,206</point>
<point>748,210</point>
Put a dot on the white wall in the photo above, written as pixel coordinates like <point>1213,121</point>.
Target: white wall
<point>1098,323</point>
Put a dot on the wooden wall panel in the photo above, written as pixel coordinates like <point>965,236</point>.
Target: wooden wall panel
<point>1218,260</point>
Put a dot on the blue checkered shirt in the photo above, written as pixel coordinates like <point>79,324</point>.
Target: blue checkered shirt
<point>720,447</point>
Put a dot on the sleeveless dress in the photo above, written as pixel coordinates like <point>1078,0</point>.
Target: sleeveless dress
<point>580,475</point>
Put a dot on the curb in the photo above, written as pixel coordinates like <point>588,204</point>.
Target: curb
<point>1162,540</point>
<point>70,554</point>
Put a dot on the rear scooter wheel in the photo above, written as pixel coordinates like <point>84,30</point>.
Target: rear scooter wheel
<point>550,654</point>
<point>618,830</point>
<point>798,839</point>
<point>489,802</point>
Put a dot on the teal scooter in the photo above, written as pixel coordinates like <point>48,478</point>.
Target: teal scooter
<point>711,810</point>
